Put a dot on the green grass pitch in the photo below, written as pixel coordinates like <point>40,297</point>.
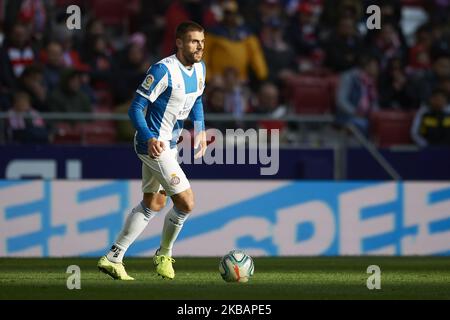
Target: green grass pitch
<point>199,278</point>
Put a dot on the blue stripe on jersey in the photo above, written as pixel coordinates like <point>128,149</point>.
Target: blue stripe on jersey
<point>190,82</point>
<point>155,114</point>
<point>135,112</point>
<point>196,115</point>
<point>157,71</point>
<point>176,132</point>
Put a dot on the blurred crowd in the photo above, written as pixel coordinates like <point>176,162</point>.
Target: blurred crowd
<point>256,50</point>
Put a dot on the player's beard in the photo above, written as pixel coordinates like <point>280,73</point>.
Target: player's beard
<point>190,57</point>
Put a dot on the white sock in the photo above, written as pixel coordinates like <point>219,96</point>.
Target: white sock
<point>172,226</point>
<point>135,223</point>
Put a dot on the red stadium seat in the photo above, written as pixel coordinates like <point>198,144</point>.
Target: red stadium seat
<point>389,128</point>
<point>111,12</point>
<point>99,132</point>
<point>270,125</point>
<point>67,133</point>
<point>312,94</point>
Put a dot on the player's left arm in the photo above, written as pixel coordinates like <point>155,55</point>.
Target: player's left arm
<point>197,117</point>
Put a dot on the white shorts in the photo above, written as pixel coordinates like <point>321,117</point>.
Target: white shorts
<point>163,173</point>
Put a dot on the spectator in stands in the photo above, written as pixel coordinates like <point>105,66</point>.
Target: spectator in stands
<point>152,23</point>
<point>387,45</point>
<point>268,101</point>
<point>182,10</point>
<point>71,56</point>
<point>260,12</point>
<point>26,12</point>
<point>277,51</point>
<point>24,123</point>
<point>303,35</point>
<point>357,94</point>
<point>69,97</point>
<point>15,55</point>
<point>344,46</point>
<point>438,10</point>
<point>425,83</point>
<point>2,34</point>
<point>440,37</point>
<point>5,100</point>
<point>231,44</point>
<point>100,62</point>
<point>391,12</point>
<point>132,66</point>
<point>215,104</point>
<point>444,85</point>
<point>333,11</point>
<point>215,101</point>
<point>396,91</point>
<point>54,65</point>
<point>431,124</point>
<point>236,94</point>
<point>419,53</point>
<point>32,82</point>
<point>94,29</point>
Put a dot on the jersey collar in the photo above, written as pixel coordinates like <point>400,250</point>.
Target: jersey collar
<point>190,71</point>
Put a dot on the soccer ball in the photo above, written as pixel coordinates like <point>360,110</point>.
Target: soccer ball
<point>236,266</point>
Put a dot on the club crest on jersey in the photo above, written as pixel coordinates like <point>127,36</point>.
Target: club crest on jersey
<point>174,180</point>
<point>148,82</point>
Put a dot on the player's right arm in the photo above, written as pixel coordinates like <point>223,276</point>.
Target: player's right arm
<point>154,84</point>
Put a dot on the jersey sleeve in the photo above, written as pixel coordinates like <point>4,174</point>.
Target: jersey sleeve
<point>136,114</point>
<point>155,82</point>
<point>196,115</point>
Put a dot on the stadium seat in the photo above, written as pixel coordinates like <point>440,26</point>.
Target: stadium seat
<point>312,94</point>
<point>99,132</point>
<point>67,133</point>
<point>389,128</point>
<point>110,12</point>
<point>270,125</point>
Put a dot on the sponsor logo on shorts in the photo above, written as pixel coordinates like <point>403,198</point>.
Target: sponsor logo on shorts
<point>174,180</point>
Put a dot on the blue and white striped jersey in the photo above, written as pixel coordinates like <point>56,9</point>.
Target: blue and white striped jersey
<point>171,93</point>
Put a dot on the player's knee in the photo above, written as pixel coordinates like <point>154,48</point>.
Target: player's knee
<point>155,202</point>
<point>155,206</point>
<point>186,205</point>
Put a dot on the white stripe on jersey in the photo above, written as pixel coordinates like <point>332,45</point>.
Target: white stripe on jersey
<point>183,90</point>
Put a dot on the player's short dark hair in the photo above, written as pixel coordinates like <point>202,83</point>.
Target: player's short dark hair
<point>186,27</point>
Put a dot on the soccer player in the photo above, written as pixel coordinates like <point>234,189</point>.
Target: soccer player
<point>171,92</point>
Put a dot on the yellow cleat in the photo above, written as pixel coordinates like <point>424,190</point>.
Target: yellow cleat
<point>115,270</point>
<point>164,266</point>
